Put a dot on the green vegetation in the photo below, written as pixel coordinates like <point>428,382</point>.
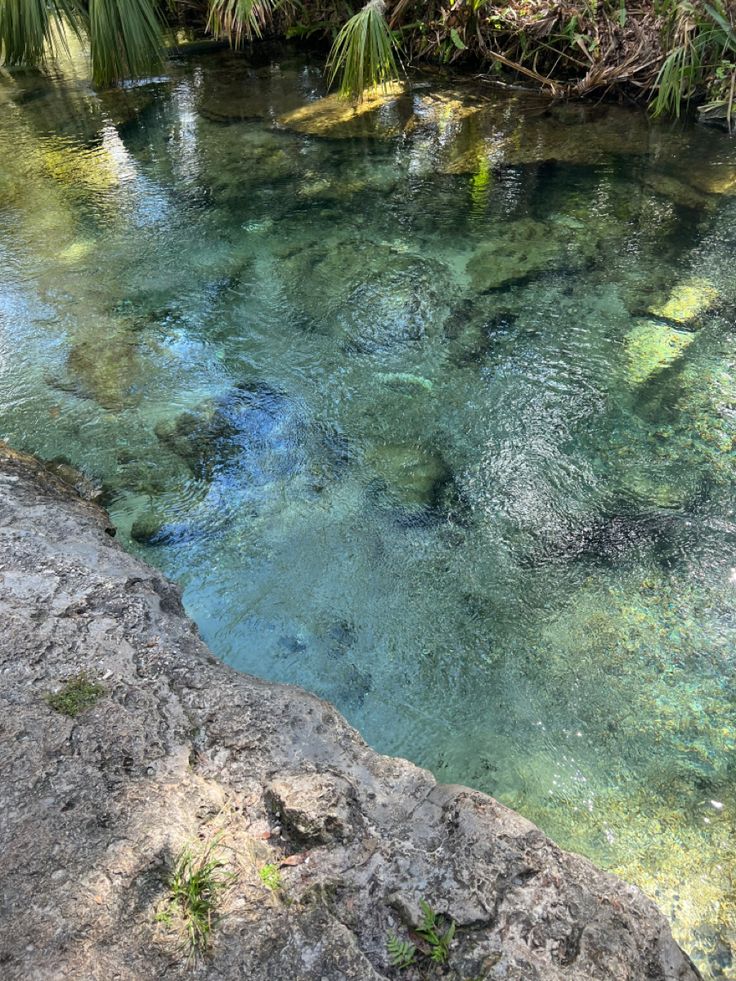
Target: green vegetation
<point>670,53</point>
<point>363,54</point>
<point>401,953</point>
<point>270,876</point>
<point>702,58</point>
<point>196,887</point>
<point>77,695</point>
<point>436,932</point>
<point>239,20</point>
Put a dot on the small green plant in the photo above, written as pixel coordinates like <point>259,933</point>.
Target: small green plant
<point>195,889</point>
<point>437,932</point>
<point>79,693</point>
<point>401,953</point>
<point>270,876</point>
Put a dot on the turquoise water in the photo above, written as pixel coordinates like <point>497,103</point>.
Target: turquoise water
<point>431,411</point>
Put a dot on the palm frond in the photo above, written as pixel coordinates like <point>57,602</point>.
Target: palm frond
<point>125,39</point>
<point>26,27</point>
<point>365,52</point>
<point>238,20</point>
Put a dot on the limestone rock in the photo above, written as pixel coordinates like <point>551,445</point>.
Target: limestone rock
<point>314,807</point>
<point>521,249</point>
<point>340,118</point>
<point>179,747</point>
<point>655,344</point>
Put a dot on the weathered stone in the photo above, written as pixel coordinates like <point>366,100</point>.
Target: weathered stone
<point>178,747</point>
<point>86,488</point>
<point>314,807</point>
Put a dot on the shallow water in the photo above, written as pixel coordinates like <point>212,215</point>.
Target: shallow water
<point>431,412</point>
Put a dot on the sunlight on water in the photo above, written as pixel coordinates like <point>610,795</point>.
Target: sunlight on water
<point>430,409</point>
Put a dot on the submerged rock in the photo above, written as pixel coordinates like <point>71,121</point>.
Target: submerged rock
<point>251,426</point>
<point>520,249</point>
<point>104,363</point>
<point>652,345</point>
<point>341,118</point>
<point>518,129</point>
<point>147,528</point>
<point>678,191</point>
<point>414,476</point>
<point>609,538</point>
<point>687,301</point>
<point>244,96</point>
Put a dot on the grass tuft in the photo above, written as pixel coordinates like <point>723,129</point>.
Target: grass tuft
<point>78,694</point>
<point>196,887</point>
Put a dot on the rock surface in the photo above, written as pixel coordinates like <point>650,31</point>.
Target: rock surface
<point>176,748</point>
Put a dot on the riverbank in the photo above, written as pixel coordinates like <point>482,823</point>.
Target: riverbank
<point>669,55</point>
<point>126,741</point>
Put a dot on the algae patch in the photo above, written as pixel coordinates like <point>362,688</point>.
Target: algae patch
<point>652,345</point>
<point>687,301</point>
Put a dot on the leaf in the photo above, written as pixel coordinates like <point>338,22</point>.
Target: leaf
<point>295,859</point>
<point>401,953</point>
<point>239,20</point>
<point>365,52</point>
<point>125,39</point>
<point>457,40</point>
<point>27,27</point>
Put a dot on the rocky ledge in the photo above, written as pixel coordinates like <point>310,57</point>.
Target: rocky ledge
<point>127,745</point>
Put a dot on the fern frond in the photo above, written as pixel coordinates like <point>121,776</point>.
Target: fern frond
<point>401,953</point>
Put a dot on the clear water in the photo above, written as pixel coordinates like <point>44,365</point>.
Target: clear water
<point>389,403</point>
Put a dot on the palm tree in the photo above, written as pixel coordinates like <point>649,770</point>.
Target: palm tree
<point>126,36</point>
<point>695,53</point>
